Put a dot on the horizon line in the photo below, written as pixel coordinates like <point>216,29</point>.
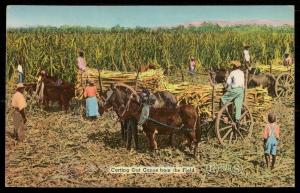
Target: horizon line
<point>192,23</point>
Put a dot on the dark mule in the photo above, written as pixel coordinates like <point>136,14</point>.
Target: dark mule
<point>162,99</point>
<point>218,76</point>
<point>266,80</point>
<point>55,90</point>
<point>61,94</point>
<point>166,121</point>
<point>108,101</point>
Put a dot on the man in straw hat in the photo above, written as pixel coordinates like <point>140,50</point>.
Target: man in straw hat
<point>235,89</point>
<point>19,103</point>
<point>90,93</point>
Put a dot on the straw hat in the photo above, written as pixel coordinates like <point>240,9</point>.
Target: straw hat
<point>236,63</point>
<point>20,85</point>
<point>246,45</point>
<point>192,58</point>
<point>80,51</point>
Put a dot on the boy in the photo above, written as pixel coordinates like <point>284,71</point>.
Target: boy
<point>270,135</point>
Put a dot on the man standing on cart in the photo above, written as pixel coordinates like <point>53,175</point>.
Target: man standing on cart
<point>246,57</point>
<point>287,61</point>
<point>235,90</point>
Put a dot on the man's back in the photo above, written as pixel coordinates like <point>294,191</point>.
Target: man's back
<point>236,79</point>
<point>246,55</point>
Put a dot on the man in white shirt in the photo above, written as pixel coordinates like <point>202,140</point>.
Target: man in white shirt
<point>20,73</point>
<point>287,61</point>
<point>246,56</point>
<point>235,89</point>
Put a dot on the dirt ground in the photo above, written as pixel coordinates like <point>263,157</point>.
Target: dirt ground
<point>66,150</point>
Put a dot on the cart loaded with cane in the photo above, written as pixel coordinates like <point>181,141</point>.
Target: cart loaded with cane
<point>206,99</point>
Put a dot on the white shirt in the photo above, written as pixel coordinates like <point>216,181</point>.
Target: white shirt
<point>246,55</point>
<point>20,69</point>
<point>236,79</point>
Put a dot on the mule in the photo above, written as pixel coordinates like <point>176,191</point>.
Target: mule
<point>265,80</point>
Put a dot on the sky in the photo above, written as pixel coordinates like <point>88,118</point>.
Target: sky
<point>144,16</point>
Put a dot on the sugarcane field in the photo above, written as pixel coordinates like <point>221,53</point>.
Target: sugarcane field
<point>190,105</point>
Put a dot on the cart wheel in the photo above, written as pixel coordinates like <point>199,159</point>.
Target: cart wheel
<point>225,126</point>
<point>284,85</point>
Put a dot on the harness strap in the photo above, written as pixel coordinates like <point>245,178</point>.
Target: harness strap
<point>165,125</point>
<point>181,128</point>
<point>271,131</point>
<point>127,105</point>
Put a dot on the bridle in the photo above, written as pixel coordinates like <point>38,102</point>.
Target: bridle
<point>127,105</point>
<point>118,109</point>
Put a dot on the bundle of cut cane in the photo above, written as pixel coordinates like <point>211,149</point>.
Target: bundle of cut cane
<point>201,97</point>
<point>276,68</point>
<point>151,79</point>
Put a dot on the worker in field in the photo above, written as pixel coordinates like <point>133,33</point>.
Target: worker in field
<point>81,63</point>
<point>287,61</point>
<point>192,66</point>
<point>90,94</point>
<point>40,86</point>
<point>235,89</point>
<point>20,74</point>
<point>18,104</point>
<point>246,57</point>
<point>81,66</point>
<point>270,136</point>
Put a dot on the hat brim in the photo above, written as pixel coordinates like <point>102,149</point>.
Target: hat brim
<point>236,63</point>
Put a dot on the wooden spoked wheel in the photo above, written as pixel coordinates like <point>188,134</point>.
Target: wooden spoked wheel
<point>226,128</point>
<point>284,85</point>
